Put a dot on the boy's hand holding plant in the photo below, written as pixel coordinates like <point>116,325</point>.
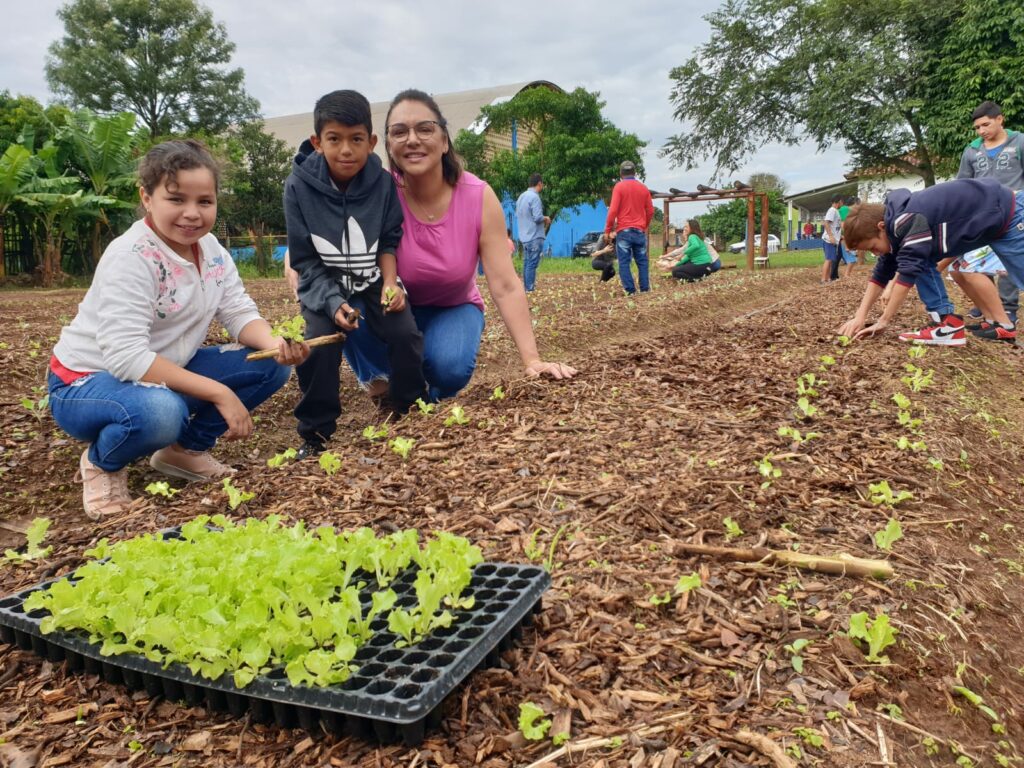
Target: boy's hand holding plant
<point>392,298</point>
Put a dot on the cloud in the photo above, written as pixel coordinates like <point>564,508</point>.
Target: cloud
<point>294,52</point>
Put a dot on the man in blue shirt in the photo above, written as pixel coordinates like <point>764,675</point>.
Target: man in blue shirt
<point>532,224</point>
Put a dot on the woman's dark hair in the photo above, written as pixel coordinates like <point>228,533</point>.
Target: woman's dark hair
<point>451,165</point>
<point>695,229</point>
<point>162,163</point>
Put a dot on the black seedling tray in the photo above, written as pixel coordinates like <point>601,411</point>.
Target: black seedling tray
<point>395,695</point>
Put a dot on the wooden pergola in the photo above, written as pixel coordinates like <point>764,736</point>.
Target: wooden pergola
<point>739,191</point>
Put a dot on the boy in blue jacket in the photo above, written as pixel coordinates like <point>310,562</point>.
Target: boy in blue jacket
<point>344,224</point>
<point>913,231</point>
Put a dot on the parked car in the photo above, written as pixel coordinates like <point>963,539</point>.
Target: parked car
<point>586,245</point>
<point>773,243</point>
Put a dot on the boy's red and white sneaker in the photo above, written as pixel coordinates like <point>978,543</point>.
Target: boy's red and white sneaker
<point>947,331</point>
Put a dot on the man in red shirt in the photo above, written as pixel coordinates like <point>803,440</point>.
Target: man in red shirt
<point>629,215</point>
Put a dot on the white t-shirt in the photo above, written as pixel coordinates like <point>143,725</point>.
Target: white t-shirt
<point>833,224</point>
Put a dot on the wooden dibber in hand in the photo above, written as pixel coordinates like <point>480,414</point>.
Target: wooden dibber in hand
<point>319,341</point>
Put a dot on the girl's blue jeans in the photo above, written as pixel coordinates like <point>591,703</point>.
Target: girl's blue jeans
<point>451,341</point>
<point>125,420</point>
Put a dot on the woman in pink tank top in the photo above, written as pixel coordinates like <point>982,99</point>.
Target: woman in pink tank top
<point>453,220</point>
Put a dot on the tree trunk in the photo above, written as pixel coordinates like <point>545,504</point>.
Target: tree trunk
<point>51,267</point>
<point>97,252</point>
<point>3,256</point>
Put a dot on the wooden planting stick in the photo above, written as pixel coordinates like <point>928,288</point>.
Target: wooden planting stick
<point>843,565</point>
<point>319,341</point>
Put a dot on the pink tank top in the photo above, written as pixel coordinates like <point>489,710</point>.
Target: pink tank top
<point>437,260</point>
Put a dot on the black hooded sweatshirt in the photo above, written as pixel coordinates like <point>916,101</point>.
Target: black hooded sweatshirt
<point>334,237</point>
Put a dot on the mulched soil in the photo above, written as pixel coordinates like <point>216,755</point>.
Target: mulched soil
<point>656,443</point>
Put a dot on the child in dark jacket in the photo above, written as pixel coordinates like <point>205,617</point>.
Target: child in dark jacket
<point>913,231</point>
<point>344,224</point>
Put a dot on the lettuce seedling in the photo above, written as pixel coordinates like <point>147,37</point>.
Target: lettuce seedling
<point>402,446</point>
<point>687,583</point>
<point>236,496</point>
<point>291,329</point>
<point>732,528</point>
<point>878,635</point>
<point>161,488</point>
<point>530,723</point>
<point>888,536</point>
<point>497,394</point>
<point>881,493</point>
<point>329,463</point>
<point>279,459</point>
<point>34,535</point>
<point>424,407</point>
<point>373,433</point>
<point>457,416</point>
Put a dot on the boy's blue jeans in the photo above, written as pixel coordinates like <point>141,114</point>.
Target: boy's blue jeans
<point>451,341</point>
<point>125,420</point>
<point>1010,247</point>
<point>932,291</point>
<point>631,245</point>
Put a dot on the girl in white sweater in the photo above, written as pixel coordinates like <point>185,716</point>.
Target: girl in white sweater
<point>129,375</point>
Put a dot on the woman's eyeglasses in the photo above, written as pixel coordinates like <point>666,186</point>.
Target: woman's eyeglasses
<point>425,129</point>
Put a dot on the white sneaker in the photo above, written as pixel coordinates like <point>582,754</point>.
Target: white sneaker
<point>103,493</point>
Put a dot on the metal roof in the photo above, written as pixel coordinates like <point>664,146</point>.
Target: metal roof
<point>460,108</point>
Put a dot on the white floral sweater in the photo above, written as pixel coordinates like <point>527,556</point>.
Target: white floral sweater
<point>145,301</point>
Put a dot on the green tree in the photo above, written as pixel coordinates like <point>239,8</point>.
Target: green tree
<point>23,115</point>
<point>727,222</point>
<point>102,152</point>
<point>825,70</point>
<point>766,182</point>
<point>17,168</point>
<point>563,136</point>
<point>254,184</point>
<point>978,57</point>
<point>164,60</point>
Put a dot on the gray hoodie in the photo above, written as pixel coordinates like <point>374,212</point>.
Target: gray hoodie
<point>335,236</point>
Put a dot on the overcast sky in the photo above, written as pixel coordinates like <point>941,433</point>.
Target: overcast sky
<point>293,52</point>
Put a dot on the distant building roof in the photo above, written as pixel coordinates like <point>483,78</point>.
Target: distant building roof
<point>460,108</point>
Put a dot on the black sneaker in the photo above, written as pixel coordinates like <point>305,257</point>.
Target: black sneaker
<point>998,333</point>
<point>309,449</point>
<point>607,274</point>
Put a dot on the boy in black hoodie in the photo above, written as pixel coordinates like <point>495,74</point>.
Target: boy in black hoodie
<point>344,223</point>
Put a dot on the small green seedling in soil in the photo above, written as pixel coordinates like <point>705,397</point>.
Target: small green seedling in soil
<point>918,379</point>
<point>329,463</point>
<point>532,723</point>
<point>904,444</point>
<point>37,407</point>
<point>532,550</point>
<point>497,394</point>
<point>161,488</point>
<point>657,599</point>
<point>878,635</point>
<point>687,583</point>
<point>936,464</point>
<point>34,535</point>
<point>806,410</point>
<point>794,651</point>
<point>279,459</point>
<point>977,701</point>
<point>805,385</point>
<point>424,407</point>
<point>917,351</point>
<point>732,529</point>
<point>767,470</point>
<point>881,493</point>
<point>844,341</point>
<point>402,446</point>
<point>457,415</point>
<point>549,562</point>
<point>291,329</point>
<point>930,747</point>
<point>811,736</point>
<point>826,361</point>
<point>134,746</point>
<point>236,496</point>
<point>906,420</point>
<point>796,436</point>
<point>372,432</point>
<point>559,739</point>
<point>885,538</point>
<point>902,401</point>
<point>893,710</point>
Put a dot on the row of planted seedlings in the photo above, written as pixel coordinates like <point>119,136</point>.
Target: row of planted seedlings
<point>250,598</point>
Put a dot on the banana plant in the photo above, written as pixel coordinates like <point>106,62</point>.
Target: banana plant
<point>17,168</point>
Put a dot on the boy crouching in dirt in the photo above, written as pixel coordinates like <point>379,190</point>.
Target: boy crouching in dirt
<point>912,231</point>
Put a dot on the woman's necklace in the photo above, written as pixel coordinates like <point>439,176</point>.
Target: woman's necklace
<point>423,209</point>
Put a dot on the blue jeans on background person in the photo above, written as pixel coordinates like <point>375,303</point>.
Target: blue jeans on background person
<point>1010,247</point>
<point>125,420</point>
<point>631,245</point>
<point>531,259</point>
<point>931,289</point>
<point>451,341</point>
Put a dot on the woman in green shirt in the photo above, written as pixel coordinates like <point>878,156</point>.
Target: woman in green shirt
<point>696,260</point>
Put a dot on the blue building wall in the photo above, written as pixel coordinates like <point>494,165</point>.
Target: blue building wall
<point>564,232</point>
